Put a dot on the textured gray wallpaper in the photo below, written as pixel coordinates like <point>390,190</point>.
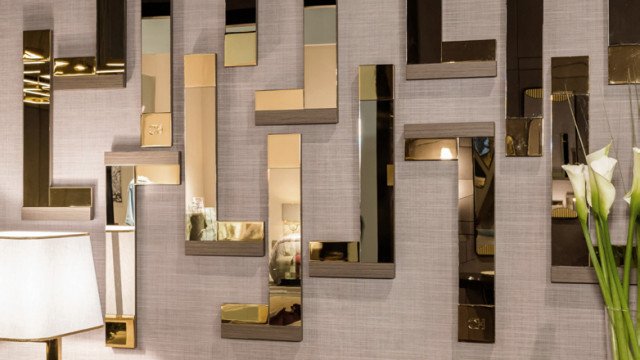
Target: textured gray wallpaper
<point>411,317</point>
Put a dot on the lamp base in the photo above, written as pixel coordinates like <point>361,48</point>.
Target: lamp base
<point>54,349</point>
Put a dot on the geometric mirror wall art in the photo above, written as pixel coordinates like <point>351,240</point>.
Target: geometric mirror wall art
<point>129,170</point>
<point>241,33</point>
<point>624,42</point>
<point>281,318</point>
<point>42,200</point>
<point>472,145</point>
<point>429,57</point>
<point>524,78</point>
<point>317,102</point>
<point>373,255</point>
<point>205,234</point>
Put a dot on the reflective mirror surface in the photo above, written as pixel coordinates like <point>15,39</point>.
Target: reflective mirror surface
<point>624,42</point>
<point>241,33</point>
<point>524,78</point>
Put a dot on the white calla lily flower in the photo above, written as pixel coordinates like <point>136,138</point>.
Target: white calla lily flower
<point>604,193</point>
<point>579,182</point>
<point>633,196</point>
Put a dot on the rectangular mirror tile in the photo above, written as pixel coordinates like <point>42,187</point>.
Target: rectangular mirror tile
<point>475,155</point>
<point>241,35</point>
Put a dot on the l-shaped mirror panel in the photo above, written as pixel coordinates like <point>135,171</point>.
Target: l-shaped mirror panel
<point>281,319</point>
<point>474,152</point>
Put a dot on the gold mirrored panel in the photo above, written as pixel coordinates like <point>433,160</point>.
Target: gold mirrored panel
<point>570,137</point>
<point>317,103</point>
<point>428,57</point>
<point>156,128</point>
<point>476,224</point>
<point>42,201</point>
<point>624,42</point>
<point>377,181</point>
<point>241,33</point>
<point>281,320</point>
<point>107,68</point>
<point>524,78</point>
<point>120,332</point>
<point>202,223</point>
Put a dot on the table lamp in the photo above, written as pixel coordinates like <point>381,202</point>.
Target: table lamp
<point>48,288</point>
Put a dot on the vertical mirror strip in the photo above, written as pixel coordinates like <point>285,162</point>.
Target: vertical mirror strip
<point>41,200</point>
<point>206,235</point>
<point>624,42</point>
<point>570,139</point>
<point>524,78</point>
<point>373,255</point>
<point>281,319</point>
<point>241,33</point>
<point>475,156</point>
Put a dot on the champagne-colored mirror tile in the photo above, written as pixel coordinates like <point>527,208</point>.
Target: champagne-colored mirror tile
<point>244,313</point>
<point>156,130</point>
<point>320,76</point>
<point>271,100</point>
<point>158,174</point>
<point>241,49</point>
<point>70,196</point>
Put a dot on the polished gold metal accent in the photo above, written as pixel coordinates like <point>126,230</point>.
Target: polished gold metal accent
<point>70,197</point>
<point>320,92</point>
<point>54,349</point>
<point>570,74</point>
<point>476,223</point>
<point>78,66</point>
<point>624,64</point>
<point>156,130</point>
<point>244,313</point>
<point>120,331</point>
<point>41,200</point>
<point>334,251</point>
<point>375,82</point>
<point>201,161</point>
<point>284,309</point>
<point>430,149</point>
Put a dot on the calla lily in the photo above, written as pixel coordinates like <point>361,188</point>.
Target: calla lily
<point>633,196</point>
<point>579,182</point>
<point>596,155</point>
<point>603,193</point>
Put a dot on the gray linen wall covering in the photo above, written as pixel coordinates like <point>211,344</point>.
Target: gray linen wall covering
<point>411,317</point>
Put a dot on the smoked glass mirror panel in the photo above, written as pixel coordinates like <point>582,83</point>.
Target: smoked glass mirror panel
<point>624,42</point>
<point>524,78</point>
<point>241,35</point>
<point>570,139</point>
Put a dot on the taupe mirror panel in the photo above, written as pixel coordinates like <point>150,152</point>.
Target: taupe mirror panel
<point>206,235</point>
<point>107,69</point>
<point>428,57</point>
<point>570,139</point>
<point>373,255</point>
<point>241,33</point>
<point>475,154</point>
<point>524,78</point>
<point>281,319</point>
<point>41,200</point>
<point>317,102</point>
<point>624,42</point>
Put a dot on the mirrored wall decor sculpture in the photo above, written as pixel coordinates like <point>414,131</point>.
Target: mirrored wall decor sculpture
<point>317,103</point>
<point>474,149</point>
<point>206,235</point>
<point>569,99</point>
<point>125,171</point>
<point>624,42</point>
<point>524,78</point>
<point>428,57</point>
<point>281,319</point>
<point>373,255</point>
<point>107,69</point>
<point>156,126</point>
<point>41,200</point>
<point>241,33</point>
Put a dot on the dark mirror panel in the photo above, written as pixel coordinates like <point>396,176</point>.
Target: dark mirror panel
<point>471,50</point>
<point>156,8</point>
<point>111,34</point>
<point>424,31</point>
<point>623,22</point>
<point>240,12</point>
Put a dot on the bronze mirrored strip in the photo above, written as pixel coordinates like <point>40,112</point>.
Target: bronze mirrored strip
<point>241,35</point>
<point>205,234</point>
<point>570,101</point>
<point>428,57</point>
<point>624,67</point>
<point>317,102</point>
<point>476,225</point>
<point>108,67</point>
<point>524,78</point>
<point>120,332</point>
<point>377,182</point>
<point>623,22</point>
<point>41,201</point>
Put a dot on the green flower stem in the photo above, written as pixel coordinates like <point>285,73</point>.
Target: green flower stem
<point>628,255</point>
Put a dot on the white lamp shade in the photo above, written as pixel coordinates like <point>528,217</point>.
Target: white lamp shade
<point>48,285</point>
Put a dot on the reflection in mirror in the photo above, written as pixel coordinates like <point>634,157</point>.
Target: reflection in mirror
<point>41,201</point>
<point>570,100</point>
<point>624,42</point>
<point>202,223</point>
<point>524,78</point>
<point>376,245</point>
<point>156,127</point>
<point>476,225</point>
<point>428,57</point>
<point>281,320</point>
<point>241,35</point>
